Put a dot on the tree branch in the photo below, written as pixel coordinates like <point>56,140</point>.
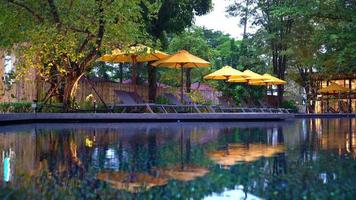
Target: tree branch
<point>99,37</point>
<point>28,9</point>
<point>54,12</point>
<point>86,31</point>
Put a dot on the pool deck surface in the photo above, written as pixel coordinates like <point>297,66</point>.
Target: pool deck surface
<point>326,115</point>
<point>14,118</point>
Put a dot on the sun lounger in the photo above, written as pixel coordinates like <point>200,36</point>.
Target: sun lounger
<point>269,108</point>
<point>177,107</point>
<point>226,106</point>
<point>132,102</point>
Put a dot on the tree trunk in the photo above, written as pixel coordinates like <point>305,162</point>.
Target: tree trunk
<point>152,83</point>
<point>188,80</point>
<point>69,90</point>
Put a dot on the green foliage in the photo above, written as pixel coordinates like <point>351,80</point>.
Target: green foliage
<point>193,41</point>
<point>197,97</point>
<point>171,16</point>
<point>162,100</point>
<point>61,39</point>
<point>290,105</point>
<point>17,107</point>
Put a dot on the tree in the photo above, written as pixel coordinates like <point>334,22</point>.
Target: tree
<point>243,10</point>
<point>302,35</point>
<point>335,24</point>
<point>169,17</point>
<point>193,41</point>
<point>276,20</point>
<point>62,39</point>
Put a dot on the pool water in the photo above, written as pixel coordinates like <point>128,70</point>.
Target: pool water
<point>298,159</point>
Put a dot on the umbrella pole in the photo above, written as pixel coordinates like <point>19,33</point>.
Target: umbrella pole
<point>339,103</point>
<point>134,71</point>
<point>182,83</point>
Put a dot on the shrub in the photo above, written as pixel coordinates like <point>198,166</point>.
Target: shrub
<point>162,100</point>
<point>290,105</point>
<point>16,107</point>
<point>197,97</point>
<point>50,108</point>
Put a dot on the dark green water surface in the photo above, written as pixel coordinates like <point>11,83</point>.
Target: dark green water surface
<point>299,159</point>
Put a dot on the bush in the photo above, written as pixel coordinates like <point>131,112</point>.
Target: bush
<point>197,97</point>
<point>290,105</point>
<point>162,100</point>
<point>15,107</point>
<point>26,107</point>
<point>50,108</point>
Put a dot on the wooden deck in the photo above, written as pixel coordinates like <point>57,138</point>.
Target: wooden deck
<point>14,118</point>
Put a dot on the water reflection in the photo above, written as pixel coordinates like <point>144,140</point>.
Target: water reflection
<point>161,158</point>
<point>236,153</point>
<point>7,161</point>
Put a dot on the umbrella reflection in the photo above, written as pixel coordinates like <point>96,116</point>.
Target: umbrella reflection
<point>136,181</point>
<point>241,153</point>
<point>132,182</point>
<point>184,171</point>
<point>188,173</point>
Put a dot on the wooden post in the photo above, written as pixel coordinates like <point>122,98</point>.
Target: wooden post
<point>327,100</point>
<point>350,100</point>
<point>182,83</point>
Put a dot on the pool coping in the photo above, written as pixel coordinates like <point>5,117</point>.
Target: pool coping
<point>15,118</point>
<point>325,115</point>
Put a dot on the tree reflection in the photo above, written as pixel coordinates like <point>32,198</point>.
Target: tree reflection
<point>174,161</point>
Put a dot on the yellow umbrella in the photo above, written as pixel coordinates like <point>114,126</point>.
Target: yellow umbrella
<point>237,80</point>
<point>249,76</point>
<point>334,88</point>
<point>225,73</point>
<point>138,53</point>
<point>271,80</point>
<point>182,59</point>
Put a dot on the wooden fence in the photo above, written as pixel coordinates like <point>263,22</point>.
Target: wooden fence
<point>26,90</point>
<point>106,90</point>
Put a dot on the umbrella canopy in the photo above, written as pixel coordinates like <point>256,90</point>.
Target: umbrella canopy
<point>271,80</point>
<point>138,53</point>
<point>237,80</point>
<point>334,88</point>
<point>249,76</point>
<point>225,73</point>
<point>182,59</point>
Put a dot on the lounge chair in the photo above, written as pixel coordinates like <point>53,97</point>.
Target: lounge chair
<point>132,102</point>
<point>228,106</point>
<point>177,107</point>
<point>269,108</point>
<point>251,106</point>
<point>200,107</point>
